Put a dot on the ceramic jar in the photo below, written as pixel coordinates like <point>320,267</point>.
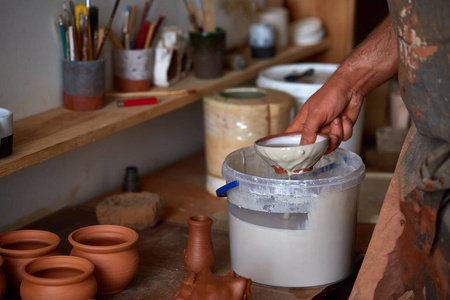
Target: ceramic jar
<point>2,280</point>
<point>58,277</point>
<point>262,40</point>
<point>112,250</point>
<point>199,252</point>
<point>22,246</point>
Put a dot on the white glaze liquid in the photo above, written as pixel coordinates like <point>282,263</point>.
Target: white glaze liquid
<point>320,254</point>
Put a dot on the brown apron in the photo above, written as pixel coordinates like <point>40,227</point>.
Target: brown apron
<point>409,253</point>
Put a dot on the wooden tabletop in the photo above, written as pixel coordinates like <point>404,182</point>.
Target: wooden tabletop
<point>182,186</point>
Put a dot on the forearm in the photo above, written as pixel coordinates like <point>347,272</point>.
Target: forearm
<point>373,62</point>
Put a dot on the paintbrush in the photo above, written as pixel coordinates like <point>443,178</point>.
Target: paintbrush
<point>149,93</point>
<point>108,27</point>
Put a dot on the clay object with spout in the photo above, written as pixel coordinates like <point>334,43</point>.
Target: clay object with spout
<point>199,252</point>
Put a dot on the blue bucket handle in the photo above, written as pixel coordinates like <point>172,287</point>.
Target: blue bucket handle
<point>222,191</point>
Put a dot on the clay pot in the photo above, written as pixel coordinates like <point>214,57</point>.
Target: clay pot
<point>112,250</point>
<point>2,280</point>
<point>199,252</point>
<point>22,246</point>
<point>58,277</point>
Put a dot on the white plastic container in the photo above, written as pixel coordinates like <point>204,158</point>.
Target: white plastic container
<point>293,233</point>
<point>273,78</point>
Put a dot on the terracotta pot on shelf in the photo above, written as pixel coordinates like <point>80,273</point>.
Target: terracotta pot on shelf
<point>22,246</point>
<point>58,277</point>
<point>199,252</point>
<point>112,250</point>
<point>2,280</point>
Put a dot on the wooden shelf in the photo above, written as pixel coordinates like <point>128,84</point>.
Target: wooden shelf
<point>53,132</point>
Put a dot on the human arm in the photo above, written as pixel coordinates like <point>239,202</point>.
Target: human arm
<point>334,108</point>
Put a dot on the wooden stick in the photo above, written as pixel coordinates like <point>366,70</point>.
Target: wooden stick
<point>108,27</point>
<point>149,37</point>
<point>101,33</point>
<point>201,17</point>
<point>131,19</point>
<point>115,40</point>
<point>149,93</point>
<point>210,16</point>
<point>192,15</point>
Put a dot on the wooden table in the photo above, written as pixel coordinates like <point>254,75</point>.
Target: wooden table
<point>182,186</point>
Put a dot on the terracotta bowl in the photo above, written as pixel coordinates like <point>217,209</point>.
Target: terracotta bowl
<point>22,246</point>
<point>285,154</point>
<point>58,277</point>
<point>111,248</point>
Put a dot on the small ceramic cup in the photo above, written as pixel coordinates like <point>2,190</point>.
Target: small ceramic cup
<point>208,53</point>
<point>6,132</point>
<point>84,84</point>
<point>22,246</point>
<point>58,277</point>
<point>111,248</point>
<point>133,69</point>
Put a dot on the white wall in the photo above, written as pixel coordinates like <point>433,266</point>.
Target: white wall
<point>30,82</point>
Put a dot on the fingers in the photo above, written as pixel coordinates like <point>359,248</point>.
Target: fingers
<point>347,128</point>
<point>335,135</point>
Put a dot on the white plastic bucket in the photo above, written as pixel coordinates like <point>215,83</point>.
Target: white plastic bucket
<point>292,233</point>
<point>273,78</point>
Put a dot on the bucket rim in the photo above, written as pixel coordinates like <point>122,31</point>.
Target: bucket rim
<point>290,67</point>
<point>334,183</point>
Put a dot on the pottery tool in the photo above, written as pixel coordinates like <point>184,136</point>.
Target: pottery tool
<point>149,37</point>
<point>93,25</point>
<point>158,24</point>
<point>80,11</point>
<point>200,13</point>
<point>149,93</point>
<point>72,10</point>
<point>143,28</point>
<point>107,29</point>
<point>63,35</point>
<point>191,13</point>
<point>210,16</point>
<point>84,37</point>
<point>73,42</point>
<point>125,33</point>
<point>67,15</point>
<point>137,102</point>
<point>115,40</point>
<point>101,33</point>
<point>131,24</point>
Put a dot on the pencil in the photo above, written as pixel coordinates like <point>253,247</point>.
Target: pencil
<point>150,93</point>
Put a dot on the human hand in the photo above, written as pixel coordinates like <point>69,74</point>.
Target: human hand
<point>331,111</point>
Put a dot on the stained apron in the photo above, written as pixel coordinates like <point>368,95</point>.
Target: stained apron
<point>409,253</point>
